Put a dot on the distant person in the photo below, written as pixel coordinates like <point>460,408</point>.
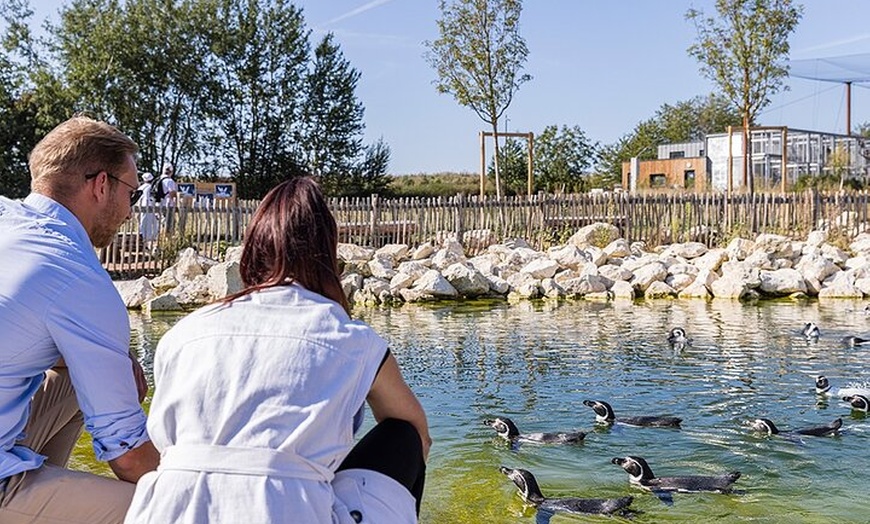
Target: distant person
<point>258,396</point>
<point>166,195</point>
<point>149,226</point>
<point>65,359</point>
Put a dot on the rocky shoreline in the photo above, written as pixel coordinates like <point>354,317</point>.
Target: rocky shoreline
<point>593,264</point>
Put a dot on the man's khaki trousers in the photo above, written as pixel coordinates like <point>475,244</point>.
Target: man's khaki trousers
<point>53,494</point>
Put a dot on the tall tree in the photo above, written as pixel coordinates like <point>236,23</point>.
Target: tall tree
<point>744,51</point>
<point>369,175</point>
<point>479,58</point>
<point>332,117</point>
<point>258,68</point>
<point>562,158</point>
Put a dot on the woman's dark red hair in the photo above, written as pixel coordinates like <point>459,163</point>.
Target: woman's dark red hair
<point>292,238</point>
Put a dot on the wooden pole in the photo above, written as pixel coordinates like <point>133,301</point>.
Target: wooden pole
<point>848,108</point>
<point>784,159</point>
<point>530,162</point>
<point>482,164</point>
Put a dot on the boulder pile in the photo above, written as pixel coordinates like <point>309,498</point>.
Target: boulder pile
<point>594,264</point>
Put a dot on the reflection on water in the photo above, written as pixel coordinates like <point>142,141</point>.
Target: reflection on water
<point>537,361</point>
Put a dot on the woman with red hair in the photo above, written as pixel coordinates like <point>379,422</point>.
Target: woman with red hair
<point>258,397</point>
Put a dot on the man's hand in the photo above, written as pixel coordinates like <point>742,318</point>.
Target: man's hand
<point>141,381</point>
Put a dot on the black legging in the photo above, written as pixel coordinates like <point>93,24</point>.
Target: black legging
<point>392,447</point>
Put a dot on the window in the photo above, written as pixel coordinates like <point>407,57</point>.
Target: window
<point>677,154</point>
<point>657,180</point>
<point>689,179</point>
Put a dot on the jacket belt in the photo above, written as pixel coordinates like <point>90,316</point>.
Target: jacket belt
<point>207,458</point>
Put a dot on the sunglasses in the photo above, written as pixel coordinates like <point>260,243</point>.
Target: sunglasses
<point>134,196</point>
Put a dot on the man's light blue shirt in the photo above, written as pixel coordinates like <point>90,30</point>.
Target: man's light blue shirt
<point>56,301</point>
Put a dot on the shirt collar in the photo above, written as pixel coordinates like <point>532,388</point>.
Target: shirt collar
<point>56,210</point>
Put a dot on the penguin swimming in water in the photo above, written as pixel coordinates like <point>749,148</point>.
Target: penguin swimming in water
<point>811,331</point>
<point>823,387</point>
<point>765,425</point>
<point>677,337</point>
<point>642,475</point>
<point>858,402</point>
<point>529,490</point>
<point>853,341</point>
<point>508,430</point>
<point>604,415</point>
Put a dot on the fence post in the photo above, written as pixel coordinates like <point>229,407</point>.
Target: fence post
<point>459,203</point>
<point>373,221</point>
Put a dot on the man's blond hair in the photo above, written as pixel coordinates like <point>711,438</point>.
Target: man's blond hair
<point>77,147</point>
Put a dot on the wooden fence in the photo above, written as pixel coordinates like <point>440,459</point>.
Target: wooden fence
<point>542,220</point>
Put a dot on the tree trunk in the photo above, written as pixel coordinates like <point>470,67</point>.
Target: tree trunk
<point>497,175</point>
<point>748,181</point>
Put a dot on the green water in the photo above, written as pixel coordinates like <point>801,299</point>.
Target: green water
<point>536,362</point>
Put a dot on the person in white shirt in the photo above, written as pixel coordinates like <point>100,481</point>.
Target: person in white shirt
<point>149,226</point>
<point>258,396</point>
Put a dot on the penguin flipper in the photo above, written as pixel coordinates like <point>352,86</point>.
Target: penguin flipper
<point>667,497</point>
<point>543,516</point>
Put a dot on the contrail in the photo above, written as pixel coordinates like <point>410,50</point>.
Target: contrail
<point>361,9</point>
<point>836,43</point>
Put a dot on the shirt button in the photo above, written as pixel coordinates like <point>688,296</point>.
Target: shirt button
<point>356,516</point>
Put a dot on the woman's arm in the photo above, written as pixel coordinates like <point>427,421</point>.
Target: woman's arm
<point>390,397</point>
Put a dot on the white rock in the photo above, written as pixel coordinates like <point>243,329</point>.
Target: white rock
<point>659,290</point>
<point>468,281</point>
<point>135,293</point>
<point>381,266</point>
<point>598,234</point>
<point>396,252</point>
<point>712,260</point>
<point>860,245</point>
<point>680,281</point>
<point>782,282</point>
<point>224,279</point>
<point>487,263</point>
<point>430,285</point>
<point>541,268</point>
<point>622,290</point>
<point>233,254</point>
<point>730,286</point>
<point>688,250</point>
<point>350,283</point>
<point>164,302</point>
<point>551,289</point>
<point>615,272</point>
<point>644,276</point>
<point>584,285</point>
<point>739,248</point>
<point>619,248</point>
<point>422,251</point>
<point>569,256</point>
<point>353,252</point>
<point>695,290</point>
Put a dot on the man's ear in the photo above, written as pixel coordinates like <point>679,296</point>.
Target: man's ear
<point>99,187</point>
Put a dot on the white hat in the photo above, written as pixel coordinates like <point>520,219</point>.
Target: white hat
<point>148,177</point>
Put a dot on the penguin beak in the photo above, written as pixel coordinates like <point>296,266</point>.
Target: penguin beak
<point>504,470</point>
<point>617,460</point>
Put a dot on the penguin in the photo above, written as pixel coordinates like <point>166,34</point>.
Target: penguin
<point>823,387</point>
<point>529,490</point>
<point>604,415</point>
<point>853,341</point>
<point>811,331</point>
<point>765,425</point>
<point>641,474</point>
<point>677,337</point>
<point>858,402</point>
<point>508,430</point>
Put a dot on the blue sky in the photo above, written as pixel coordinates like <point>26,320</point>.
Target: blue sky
<point>602,65</point>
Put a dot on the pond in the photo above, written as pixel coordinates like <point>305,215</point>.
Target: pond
<point>536,362</point>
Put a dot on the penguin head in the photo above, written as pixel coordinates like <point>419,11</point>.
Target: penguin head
<point>526,484</point>
<point>503,426</point>
<point>637,468</point>
<point>603,411</point>
<point>822,384</point>
<point>677,335</point>
<point>811,330</point>
<point>765,425</point>
<point>858,402</point>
